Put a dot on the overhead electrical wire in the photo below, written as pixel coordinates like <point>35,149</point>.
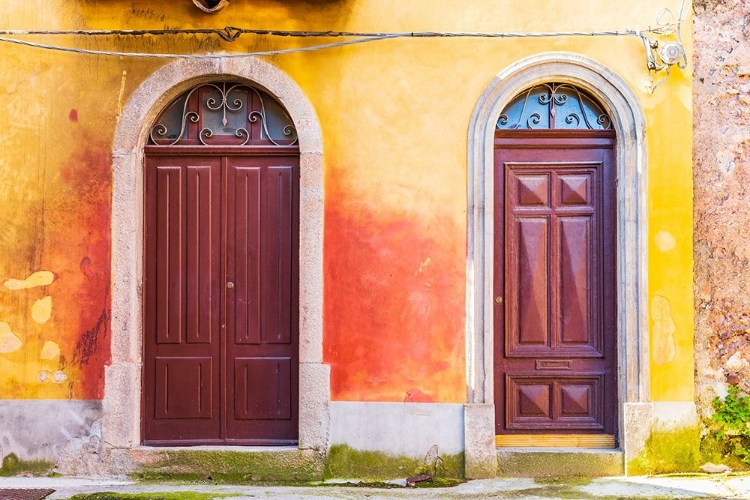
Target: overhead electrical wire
<point>231,34</point>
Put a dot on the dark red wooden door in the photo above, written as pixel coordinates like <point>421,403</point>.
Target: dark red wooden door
<point>554,286</point>
<point>220,299</point>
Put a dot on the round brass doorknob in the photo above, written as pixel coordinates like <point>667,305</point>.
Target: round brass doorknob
<point>230,285</point>
<point>498,300</point>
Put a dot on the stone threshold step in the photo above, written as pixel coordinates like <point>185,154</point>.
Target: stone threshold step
<point>559,462</point>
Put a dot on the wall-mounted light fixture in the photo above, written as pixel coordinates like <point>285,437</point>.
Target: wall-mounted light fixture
<point>669,54</point>
<point>211,6</point>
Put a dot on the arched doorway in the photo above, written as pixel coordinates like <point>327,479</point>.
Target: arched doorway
<point>123,390</point>
<point>555,324</point>
<point>634,411</point>
<point>221,180</point>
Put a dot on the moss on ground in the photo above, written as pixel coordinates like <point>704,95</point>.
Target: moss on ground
<point>235,467</point>
<point>666,451</point>
<point>13,466</point>
<point>721,452</point>
<point>346,462</point>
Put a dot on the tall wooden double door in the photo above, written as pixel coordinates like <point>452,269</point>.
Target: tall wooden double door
<point>220,297</point>
<point>554,288</point>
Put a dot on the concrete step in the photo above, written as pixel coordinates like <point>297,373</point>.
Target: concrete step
<point>559,462</point>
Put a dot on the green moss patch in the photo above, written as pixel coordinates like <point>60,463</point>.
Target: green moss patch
<point>235,467</point>
<point>346,462</point>
<point>13,466</point>
<point>666,451</point>
<point>719,451</point>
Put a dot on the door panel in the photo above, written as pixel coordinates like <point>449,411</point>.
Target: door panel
<point>277,271</point>
<point>529,283</point>
<point>262,367</point>
<point>555,402</point>
<point>199,271</point>
<point>554,284</point>
<point>169,249</point>
<point>262,388</point>
<point>181,303</point>
<point>183,388</point>
<point>220,297</point>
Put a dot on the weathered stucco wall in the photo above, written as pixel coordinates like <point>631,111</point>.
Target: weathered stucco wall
<point>394,115</point>
<point>722,197</point>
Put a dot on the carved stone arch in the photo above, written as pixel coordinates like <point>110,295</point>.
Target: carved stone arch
<point>122,389</point>
<point>628,121</point>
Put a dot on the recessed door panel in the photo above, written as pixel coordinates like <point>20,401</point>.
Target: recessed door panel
<point>262,388</point>
<point>183,387</point>
<point>529,291</point>
<point>199,272</point>
<point>170,253</point>
<point>576,283</point>
<point>244,251</point>
<point>277,269</point>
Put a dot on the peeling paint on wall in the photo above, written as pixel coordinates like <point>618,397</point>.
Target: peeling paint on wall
<point>39,278</point>
<point>9,341</point>
<point>42,310</point>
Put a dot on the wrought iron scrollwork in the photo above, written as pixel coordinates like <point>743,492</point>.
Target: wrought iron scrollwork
<point>250,117</point>
<point>553,106</point>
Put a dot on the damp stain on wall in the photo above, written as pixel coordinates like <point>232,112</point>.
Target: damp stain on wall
<point>394,308</point>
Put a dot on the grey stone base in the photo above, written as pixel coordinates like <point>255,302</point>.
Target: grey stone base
<point>64,432</point>
<point>400,429</point>
<point>548,462</point>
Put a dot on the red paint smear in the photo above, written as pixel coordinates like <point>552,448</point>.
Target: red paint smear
<point>389,327</point>
<point>77,249</point>
<point>73,116</point>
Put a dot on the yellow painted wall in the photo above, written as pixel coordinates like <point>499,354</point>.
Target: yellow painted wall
<point>395,117</point>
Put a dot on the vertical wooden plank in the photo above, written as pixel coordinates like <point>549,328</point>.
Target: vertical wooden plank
<point>199,273</point>
<point>169,246</point>
<point>245,255</point>
<point>277,265</point>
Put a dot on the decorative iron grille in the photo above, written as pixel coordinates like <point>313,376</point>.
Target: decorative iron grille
<point>224,113</point>
<point>553,106</point>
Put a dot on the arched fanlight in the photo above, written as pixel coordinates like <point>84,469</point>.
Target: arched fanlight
<point>553,106</point>
<point>224,113</point>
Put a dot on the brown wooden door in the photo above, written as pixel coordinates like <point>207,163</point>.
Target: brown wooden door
<point>554,285</point>
<point>220,299</point>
